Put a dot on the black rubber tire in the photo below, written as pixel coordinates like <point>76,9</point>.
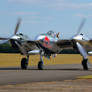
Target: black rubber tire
<point>85,64</point>
<point>24,63</point>
<point>40,65</point>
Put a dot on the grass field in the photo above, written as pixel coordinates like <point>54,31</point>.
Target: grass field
<point>14,59</point>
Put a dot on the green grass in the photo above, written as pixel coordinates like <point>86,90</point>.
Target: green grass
<point>14,59</point>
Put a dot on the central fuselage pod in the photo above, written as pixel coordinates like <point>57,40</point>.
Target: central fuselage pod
<point>47,42</point>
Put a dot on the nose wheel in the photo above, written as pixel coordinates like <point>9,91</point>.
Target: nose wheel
<point>24,63</point>
<point>40,65</point>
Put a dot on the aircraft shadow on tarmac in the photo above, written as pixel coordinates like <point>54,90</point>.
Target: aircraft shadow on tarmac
<point>63,69</point>
<point>10,68</point>
<point>46,69</point>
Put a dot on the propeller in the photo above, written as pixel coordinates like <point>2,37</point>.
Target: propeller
<point>80,28</point>
<point>3,38</point>
<point>15,31</point>
<point>17,26</point>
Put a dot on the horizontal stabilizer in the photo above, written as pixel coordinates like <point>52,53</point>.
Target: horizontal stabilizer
<point>90,53</point>
<point>34,52</point>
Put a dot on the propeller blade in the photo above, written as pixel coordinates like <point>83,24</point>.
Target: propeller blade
<point>17,26</point>
<point>81,26</point>
<point>3,38</point>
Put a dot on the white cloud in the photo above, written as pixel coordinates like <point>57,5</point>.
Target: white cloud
<point>20,13</point>
<point>83,15</point>
<point>80,15</point>
<point>28,1</point>
<point>68,5</point>
<point>55,4</point>
<point>26,13</point>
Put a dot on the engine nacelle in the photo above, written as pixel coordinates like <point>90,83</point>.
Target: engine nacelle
<point>13,44</point>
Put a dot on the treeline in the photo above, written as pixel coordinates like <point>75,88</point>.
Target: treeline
<point>7,48</point>
<point>69,51</point>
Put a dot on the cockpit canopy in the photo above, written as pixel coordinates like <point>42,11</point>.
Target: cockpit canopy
<point>51,33</point>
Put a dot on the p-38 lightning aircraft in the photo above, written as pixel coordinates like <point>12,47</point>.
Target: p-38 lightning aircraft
<point>48,44</point>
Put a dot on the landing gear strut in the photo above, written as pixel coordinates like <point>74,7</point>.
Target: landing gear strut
<point>85,64</point>
<point>24,63</point>
<point>40,63</point>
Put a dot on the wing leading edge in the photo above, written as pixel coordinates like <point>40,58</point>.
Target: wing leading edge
<point>65,44</point>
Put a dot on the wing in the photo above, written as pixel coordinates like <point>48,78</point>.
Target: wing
<point>56,47</point>
<point>65,44</point>
<point>24,46</point>
<point>29,46</point>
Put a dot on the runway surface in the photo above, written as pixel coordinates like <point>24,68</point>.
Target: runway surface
<point>14,75</point>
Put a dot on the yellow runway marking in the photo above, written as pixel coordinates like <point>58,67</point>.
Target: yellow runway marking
<point>85,77</point>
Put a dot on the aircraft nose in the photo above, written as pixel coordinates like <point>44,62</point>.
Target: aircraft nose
<point>78,37</point>
<point>15,37</point>
<point>40,37</point>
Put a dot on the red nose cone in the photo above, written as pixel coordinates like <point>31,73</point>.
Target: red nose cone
<point>46,38</point>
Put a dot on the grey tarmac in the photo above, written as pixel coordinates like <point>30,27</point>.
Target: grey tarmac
<point>14,75</point>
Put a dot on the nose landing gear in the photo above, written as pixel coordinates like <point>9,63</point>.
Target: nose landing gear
<point>24,63</point>
<point>40,63</point>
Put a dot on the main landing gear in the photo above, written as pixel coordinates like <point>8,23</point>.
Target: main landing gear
<point>85,64</point>
<point>24,63</point>
<point>84,54</point>
<point>40,63</point>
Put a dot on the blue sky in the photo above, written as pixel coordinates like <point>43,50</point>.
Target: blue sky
<point>40,16</point>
